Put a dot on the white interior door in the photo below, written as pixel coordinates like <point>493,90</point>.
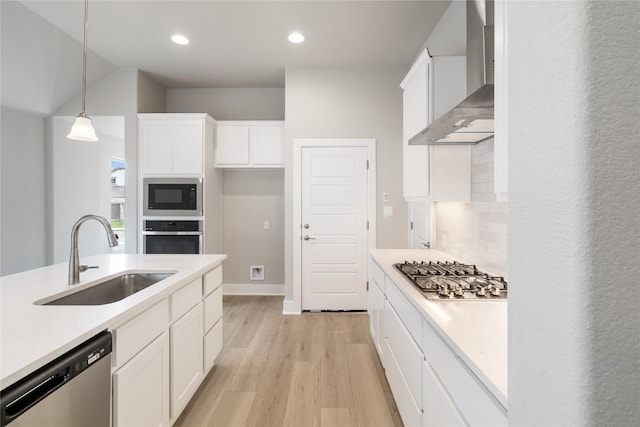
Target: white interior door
<point>334,215</point>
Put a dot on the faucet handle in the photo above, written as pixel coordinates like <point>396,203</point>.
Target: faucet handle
<point>86,267</point>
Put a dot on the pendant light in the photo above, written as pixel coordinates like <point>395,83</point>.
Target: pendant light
<point>82,129</point>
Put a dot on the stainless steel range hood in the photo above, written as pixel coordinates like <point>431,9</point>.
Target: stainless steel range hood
<point>471,121</point>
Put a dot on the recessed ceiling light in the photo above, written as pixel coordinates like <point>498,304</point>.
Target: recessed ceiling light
<point>296,38</point>
<point>179,39</point>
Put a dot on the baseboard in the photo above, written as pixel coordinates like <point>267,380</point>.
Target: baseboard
<point>290,307</point>
<point>252,289</point>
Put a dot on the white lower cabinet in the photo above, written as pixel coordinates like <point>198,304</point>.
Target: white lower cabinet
<point>162,355</point>
<point>431,385</point>
<point>141,387</point>
<point>186,358</point>
<point>438,408</point>
<point>404,367</point>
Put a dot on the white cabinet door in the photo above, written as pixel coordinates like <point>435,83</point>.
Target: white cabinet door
<point>232,146</point>
<point>449,165</point>
<point>188,147</point>
<point>267,148</point>
<point>415,117</point>
<point>141,387</point>
<point>186,358</point>
<point>156,154</point>
<point>439,410</point>
<point>250,144</point>
<point>171,146</point>
<point>376,309</point>
<point>500,143</point>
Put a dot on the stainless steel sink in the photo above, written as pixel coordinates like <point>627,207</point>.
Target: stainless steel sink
<point>111,290</point>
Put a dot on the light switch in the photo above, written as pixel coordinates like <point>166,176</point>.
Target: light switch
<point>385,197</point>
<point>266,225</point>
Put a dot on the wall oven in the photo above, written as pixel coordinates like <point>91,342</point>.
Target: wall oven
<point>172,196</point>
<point>172,237</point>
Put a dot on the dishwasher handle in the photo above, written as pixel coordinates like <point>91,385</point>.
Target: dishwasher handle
<point>28,391</point>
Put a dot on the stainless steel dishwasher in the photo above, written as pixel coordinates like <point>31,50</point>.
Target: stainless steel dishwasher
<point>72,390</point>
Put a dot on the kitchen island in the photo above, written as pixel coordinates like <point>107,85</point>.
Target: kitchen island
<point>457,347</point>
<point>32,335</point>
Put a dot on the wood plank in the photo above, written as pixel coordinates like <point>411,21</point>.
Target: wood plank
<point>303,404</point>
<point>273,389</point>
<point>338,417</point>
<point>233,409</point>
<point>370,402</point>
<point>200,409</point>
<point>349,381</point>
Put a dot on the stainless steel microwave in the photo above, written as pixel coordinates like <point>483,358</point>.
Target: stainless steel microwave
<point>172,196</point>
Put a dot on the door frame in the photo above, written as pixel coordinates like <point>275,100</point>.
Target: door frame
<point>294,306</point>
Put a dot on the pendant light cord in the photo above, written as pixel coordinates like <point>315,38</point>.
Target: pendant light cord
<point>84,58</point>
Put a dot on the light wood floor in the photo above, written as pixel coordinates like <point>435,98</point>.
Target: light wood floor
<point>309,370</point>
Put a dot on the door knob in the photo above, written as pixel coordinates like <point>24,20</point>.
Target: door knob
<point>306,226</point>
<point>306,237</point>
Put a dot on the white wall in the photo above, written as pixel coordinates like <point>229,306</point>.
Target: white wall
<point>229,103</point>
<point>22,198</point>
<point>350,102</point>
<point>116,95</point>
<point>249,197</point>
<point>574,227</point>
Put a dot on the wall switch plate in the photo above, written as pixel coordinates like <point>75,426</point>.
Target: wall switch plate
<point>266,225</point>
<point>387,211</point>
<point>385,197</point>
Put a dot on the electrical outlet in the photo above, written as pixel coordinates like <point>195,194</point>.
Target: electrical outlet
<point>256,272</point>
<point>267,225</point>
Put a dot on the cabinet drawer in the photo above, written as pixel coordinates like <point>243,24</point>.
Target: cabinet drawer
<point>409,411</point>
<point>376,274</point>
<point>212,309</point>
<point>405,352</point>
<point>212,346</point>
<point>438,408</point>
<point>470,396</point>
<point>185,298</point>
<point>134,335</point>
<point>407,312</point>
<point>212,280</point>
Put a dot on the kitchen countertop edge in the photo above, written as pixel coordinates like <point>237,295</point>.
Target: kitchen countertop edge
<point>105,317</point>
<point>385,258</point>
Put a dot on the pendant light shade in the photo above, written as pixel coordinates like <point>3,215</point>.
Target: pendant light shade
<point>82,129</point>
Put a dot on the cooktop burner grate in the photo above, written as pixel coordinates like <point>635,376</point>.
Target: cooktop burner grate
<point>453,280</point>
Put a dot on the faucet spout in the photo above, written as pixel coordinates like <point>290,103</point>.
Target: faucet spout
<point>74,263</point>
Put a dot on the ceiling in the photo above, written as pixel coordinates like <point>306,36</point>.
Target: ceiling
<point>244,43</point>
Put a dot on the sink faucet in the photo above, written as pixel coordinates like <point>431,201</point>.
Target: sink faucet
<point>74,264</point>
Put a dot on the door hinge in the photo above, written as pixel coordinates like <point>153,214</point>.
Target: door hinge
<point>411,225</point>
<point>367,164</point>
<point>367,286</point>
<point>367,224</point>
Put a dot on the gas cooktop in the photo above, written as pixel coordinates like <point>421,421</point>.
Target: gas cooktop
<point>453,281</point>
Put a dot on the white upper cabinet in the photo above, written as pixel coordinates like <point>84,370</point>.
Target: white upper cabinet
<point>173,144</point>
<point>250,144</point>
<point>432,87</point>
<point>449,165</point>
<point>415,117</point>
<point>500,144</point>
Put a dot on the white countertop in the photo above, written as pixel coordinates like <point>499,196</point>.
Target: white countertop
<point>32,335</point>
<point>475,330</point>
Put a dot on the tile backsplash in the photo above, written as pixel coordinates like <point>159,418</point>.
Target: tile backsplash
<point>476,231</point>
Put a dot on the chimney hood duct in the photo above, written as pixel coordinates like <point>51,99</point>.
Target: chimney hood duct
<point>471,121</point>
